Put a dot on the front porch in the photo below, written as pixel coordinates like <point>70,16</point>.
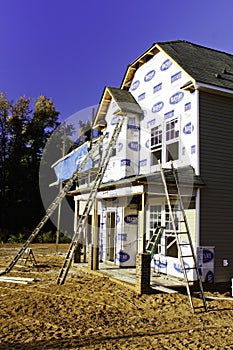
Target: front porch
<point>128,276</point>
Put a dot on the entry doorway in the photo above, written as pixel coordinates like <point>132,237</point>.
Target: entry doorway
<point>111,232</point>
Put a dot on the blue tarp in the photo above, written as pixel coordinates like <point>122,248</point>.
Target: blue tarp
<point>65,168</point>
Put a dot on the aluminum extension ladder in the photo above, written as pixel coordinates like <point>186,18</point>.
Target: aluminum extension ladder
<point>154,241</point>
<point>92,195</point>
<point>52,207</point>
<point>184,240</point>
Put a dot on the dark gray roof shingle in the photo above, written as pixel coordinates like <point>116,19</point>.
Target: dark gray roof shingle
<point>205,65</point>
<point>125,100</point>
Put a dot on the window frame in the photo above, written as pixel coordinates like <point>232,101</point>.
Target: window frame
<point>156,143</point>
<point>172,138</point>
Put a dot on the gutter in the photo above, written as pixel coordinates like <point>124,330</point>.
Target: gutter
<point>208,87</point>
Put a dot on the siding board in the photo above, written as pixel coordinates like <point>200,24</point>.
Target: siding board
<point>216,169</point>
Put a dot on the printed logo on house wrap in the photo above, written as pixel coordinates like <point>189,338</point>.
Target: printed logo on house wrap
<point>142,96</point>
<point>150,123</point>
<point>133,127</point>
<point>176,77</point>
<point>176,98</point>
<point>147,144</point>
<point>143,162</point>
<point>193,149</point>
<point>122,256</point>
<point>131,219</point>
<point>165,65</point>
<point>119,146</point>
<point>187,106</point>
<point>169,114</point>
<point>209,277</point>
<point>207,256</point>
<point>135,85</point>
<point>178,267</point>
<point>157,88</point>
<point>125,162</point>
<point>150,75</point>
<point>160,264</point>
<point>188,129</point>
<point>134,146</point>
<point>114,120</point>
<point>157,107</point>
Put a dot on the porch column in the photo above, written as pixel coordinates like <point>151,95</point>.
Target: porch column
<point>95,236</point>
<point>144,198</point>
<point>143,273</point>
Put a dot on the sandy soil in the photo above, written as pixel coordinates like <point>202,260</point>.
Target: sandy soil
<point>92,312</point>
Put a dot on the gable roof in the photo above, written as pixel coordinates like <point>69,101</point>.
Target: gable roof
<point>126,103</point>
<point>203,64</point>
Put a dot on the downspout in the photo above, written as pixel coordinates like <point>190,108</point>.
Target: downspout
<point>198,209</point>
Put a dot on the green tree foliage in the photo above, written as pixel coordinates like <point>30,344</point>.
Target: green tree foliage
<point>85,129</point>
<point>4,141</point>
<point>24,131</point>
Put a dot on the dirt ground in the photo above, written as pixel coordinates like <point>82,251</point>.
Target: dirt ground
<point>92,312</point>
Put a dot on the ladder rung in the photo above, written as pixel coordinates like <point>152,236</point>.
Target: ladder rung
<point>199,307</point>
<point>183,219</point>
<point>90,200</point>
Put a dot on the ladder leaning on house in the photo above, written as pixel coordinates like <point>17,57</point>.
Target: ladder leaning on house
<point>89,203</point>
<point>184,242</point>
<point>153,243</point>
<point>52,207</point>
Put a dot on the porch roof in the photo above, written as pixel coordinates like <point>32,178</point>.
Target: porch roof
<point>186,176</point>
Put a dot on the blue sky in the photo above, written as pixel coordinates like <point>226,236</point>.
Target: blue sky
<point>71,49</point>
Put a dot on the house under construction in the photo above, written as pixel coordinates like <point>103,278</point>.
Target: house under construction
<point>176,103</point>
<point>155,188</point>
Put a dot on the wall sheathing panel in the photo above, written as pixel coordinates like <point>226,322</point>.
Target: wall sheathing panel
<point>156,86</point>
<point>125,159</point>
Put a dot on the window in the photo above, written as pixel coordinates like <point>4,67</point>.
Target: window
<point>172,140</point>
<point>155,217</point>
<point>171,245</point>
<point>93,176</point>
<point>156,144</point>
<point>83,180</point>
<point>155,220</point>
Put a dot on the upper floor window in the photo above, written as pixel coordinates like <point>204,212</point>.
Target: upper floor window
<point>156,144</point>
<point>172,139</point>
<point>172,130</point>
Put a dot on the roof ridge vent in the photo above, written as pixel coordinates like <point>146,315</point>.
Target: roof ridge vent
<point>221,76</point>
<point>227,71</point>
